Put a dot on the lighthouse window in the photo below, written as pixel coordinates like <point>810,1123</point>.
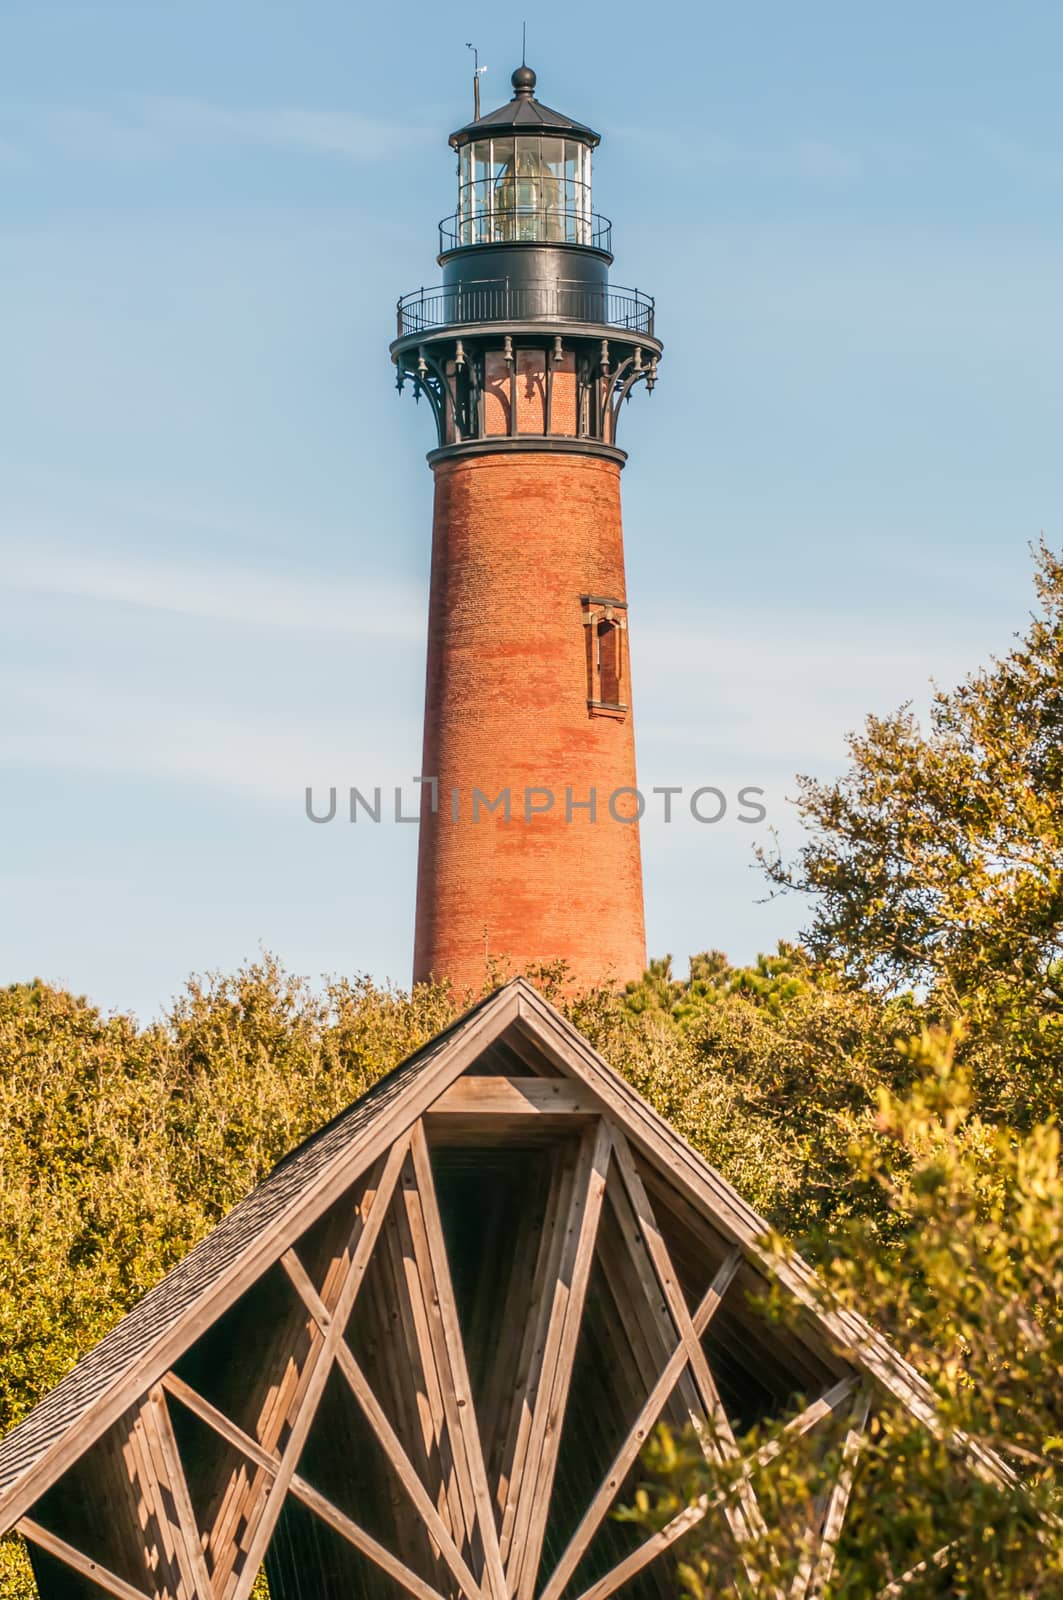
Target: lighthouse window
<point>605,624</point>
<point>482,171</point>
<point>608,663</point>
<point>551,197</point>
<point>573,177</point>
<point>502,151</point>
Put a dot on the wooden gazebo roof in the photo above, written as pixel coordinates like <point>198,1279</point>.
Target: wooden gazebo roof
<point>423,1355</point>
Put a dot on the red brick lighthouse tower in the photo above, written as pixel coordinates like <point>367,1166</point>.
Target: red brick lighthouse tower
<point>529,842</point>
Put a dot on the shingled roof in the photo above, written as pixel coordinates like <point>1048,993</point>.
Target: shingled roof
<point>212,1274</point>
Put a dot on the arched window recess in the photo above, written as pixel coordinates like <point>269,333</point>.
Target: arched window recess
<point>605,634</point>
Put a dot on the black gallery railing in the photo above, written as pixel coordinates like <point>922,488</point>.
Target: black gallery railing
<point>551,300</point>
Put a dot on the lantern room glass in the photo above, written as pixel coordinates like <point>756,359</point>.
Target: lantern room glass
<point>524,188</point>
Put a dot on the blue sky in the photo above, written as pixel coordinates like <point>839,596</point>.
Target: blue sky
<point>215,511</point>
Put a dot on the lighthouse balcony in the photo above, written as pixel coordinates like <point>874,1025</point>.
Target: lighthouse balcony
<point>549,300</point>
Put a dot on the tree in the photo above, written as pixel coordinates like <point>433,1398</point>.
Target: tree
<point>936,862</point>
<point>771,1067</point>
<point>969,1284</point>
<point>121,1146</point>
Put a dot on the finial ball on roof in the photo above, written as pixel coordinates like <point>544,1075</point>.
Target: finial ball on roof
<point>523,80</point>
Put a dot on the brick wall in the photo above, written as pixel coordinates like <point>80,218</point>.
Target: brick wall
<point>518,540</point>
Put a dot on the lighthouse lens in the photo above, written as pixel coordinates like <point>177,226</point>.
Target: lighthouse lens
<point>524,189</point>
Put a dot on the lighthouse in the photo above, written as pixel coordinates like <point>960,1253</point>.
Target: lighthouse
<point>529,829</point>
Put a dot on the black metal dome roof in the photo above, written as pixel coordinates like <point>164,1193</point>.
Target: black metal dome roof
<point>524,114</point>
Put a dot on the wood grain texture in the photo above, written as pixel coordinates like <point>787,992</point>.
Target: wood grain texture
<point>78,1562</point>
<point>389,1439</point>
<point>430,1244</point>
<point>636,1438</point>
<point>569,1290</point>
<point>264,1507</point>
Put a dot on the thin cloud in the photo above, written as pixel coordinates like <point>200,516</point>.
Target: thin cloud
<point>120,136</point>
<point>151,128</point>
<point>234,595</point>
<point>1022,161</point>
<point>772,695</point>
<point>104,729</point>
<point>344,134</point>
<point>804,159</point>
<point>817,160</point>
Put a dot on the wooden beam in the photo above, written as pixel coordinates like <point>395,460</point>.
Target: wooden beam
<point>627,1376</point>
<point>473,1097</point>
<point>647,1552</point>
<point>92,1570</point>
<point>485,1330</point>
<point>691,1515</point>
<point>783,1351</point>
<point>159,1539</point>
<point>113,1475</point>
<point>655,1317</point>
<point>457,1391</point>
<point>263,1513</point>
<point>940,1558</point>
<point>244,1488</point>
<point>637,1435</point>
<point>570,1290</point>
<point>406,1473</point>
<point>427,1349</point>
<point>303,1285</point>
<point>532,1344</point>
<point>389,1439</point>
<point>389,1358</point>
<point>402,1324</point>
<point>157,1423</point>
<point>377,1553</point>
<point>719,1441</point>
<point>501,1393</point>
<point>225,1427</point>
<point>642,1311</point>
<point>838,1502</point>
<point>221,1424</point>
<point>276,1398</point>
<point>303,1491</point>
<point>270,1389</point>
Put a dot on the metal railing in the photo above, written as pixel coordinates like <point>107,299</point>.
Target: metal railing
<point>540,224</point>
<point>547,300</point>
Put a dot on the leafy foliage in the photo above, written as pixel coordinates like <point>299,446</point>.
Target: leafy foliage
<point>770,1068</point>
<point>122,1146</point>
<point>971,1288</point>
<point>937,860</point>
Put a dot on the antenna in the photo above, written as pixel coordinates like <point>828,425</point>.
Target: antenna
<point>524,44</point>
<point>476,72</point>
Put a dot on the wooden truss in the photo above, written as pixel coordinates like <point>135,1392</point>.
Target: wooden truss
<point>434,1367</point>
<point>474,1483</point>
